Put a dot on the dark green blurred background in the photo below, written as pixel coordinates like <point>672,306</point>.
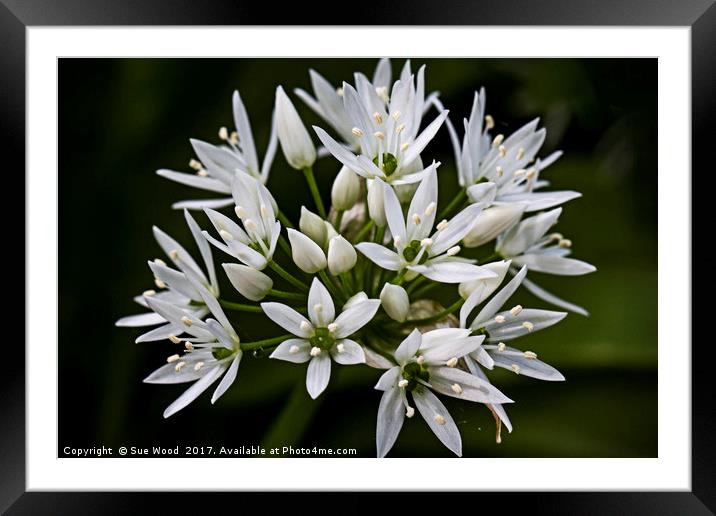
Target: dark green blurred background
<point>121,119</point>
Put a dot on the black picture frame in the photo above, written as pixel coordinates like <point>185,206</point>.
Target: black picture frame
<point>700,15</point>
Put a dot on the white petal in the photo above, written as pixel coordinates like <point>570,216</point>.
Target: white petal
<point>243,127</point>
<point>388,379</point>
<point>355,317</point>
<point>351,352</point>
<point>451,271</point>
<point>492,307</point>
<point>483,193</point>
<point>457,228</point>
<point>449,348</point>
<point>382,74</point>
<point>513,326</point>
<point>474,389</point>
<point>160,333</point>
<point>380,255</point>
<point>215,159</point>
<point>168,244</point>
<point>175,280</point>
<point>318,297</point>
<point>376,360</point>
<point>195,390</point>
<point>409,347</point>
<point>283,351</point>
<point>425,195</point>
<point>517,239</point>
<point>347,157</point>
<point>553,264</point>
<point>421,141</point>
<point>393,212</point>
<point>535,201</point>
<point>318,374</point>
<point>527,366</point>
<point>167,374</point>
<point>199,204</point>
<point>203,245</point>
<point>288,318</point>
<point>430,406</point>
<point>204,183</point>
<point>391,413</point>
<point>228,378</point>
<point>148,319</point>
<point>551,298</point>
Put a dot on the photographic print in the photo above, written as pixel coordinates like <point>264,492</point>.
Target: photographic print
<point>396,257</point>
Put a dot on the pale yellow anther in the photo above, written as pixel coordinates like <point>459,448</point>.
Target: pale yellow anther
<point>520,173</point>
<point>439,419</point>
<point>339,92</point>
<point>379,134</point>
<point>187,321</point>
<point>528,326</point>
<point>198,366</point>
<point>403,383</point>
<point>453,250</point>
<point>452,362</point>
<point>500,171</point>
<point>173,254</point>
<point>498,140</point>
<point>404,147</point>
<point>565,242</point>
<point>420,360</point>
<point>431,208</point>
<point>378,118</point>
<point>502,150</point>
<point>516,310</point>
<point>531,173</point>
<point>189,346</point>
<point>175,339</point>
<point>530,354</point>
<point>264,211</point>
<point>416,219</point>
<point>305,326</point>
<point>520,153</point>
<point>315,351</point>
<point>293,349</point>
<point>159,283</point>
<point>250,225</point>
<point>396,114</point>
<point>501,346</point>
<point>149,293</point>
<point>333,327</point>
<point>159,261</point>
<point>172,359</point>
<point>223,133</point>
<point>382,93</point>
<point>499,319</point>
<point>341,348</point>
<point>489,121</point>
<point>195,164</point>
<point>240,212</point>
<point>400,129</point>
<point>556,236</point>
<point>357,132</point>
<point>318,308</point>
<point>179,366</point>
<point>442,225</point>
<point>234,137</point>
<point>456,388</point>
<point>226,235</point>
<point>409,412</point>
<point>426,242</point>
<point>202,173</point>
<point>515,368</point>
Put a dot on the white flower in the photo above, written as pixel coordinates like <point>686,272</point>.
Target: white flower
<point>323,337</point>
<point>328,101</point>
<point>313,226</point>
<point>428,362</point>
<point>395,301</point>
<point>376,201</point>
<point>342,256</point>
<point>174,286</point>
<point>255,243</point>
<point>386,133</point>
<point>346,190</point>
<point>486,285</point>
<point>212,349</point>
<point>218,165</point>
<point>499,217</point>
<point>295,141</point>
<point>417,247</point>
<point>526,244</point>
<point>250,283</point>
<point>306,253</point>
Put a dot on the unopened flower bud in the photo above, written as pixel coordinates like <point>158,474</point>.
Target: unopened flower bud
<point>312,226</point>
<point>395,302</point>
<point>250,283</point>
<point>307,254</point>
<point>493,221</point>
<point>295,141</point>
<point>345,190</point>
<point>342,256</point>
<point>376,206</point>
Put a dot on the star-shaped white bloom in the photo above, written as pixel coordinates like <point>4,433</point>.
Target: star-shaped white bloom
<point>218,165</point>
<point>426,362</point>
<point>528,244</point>
<point>418,247</point>
<point>386,129</point>
<point>323,336</point>
<point>212,349</point>
<point>255,243</point>
<point>174,286</point>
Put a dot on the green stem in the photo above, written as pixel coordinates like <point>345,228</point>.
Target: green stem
<point>454,204</point>
<point>311,180</point>
<point>347,282</point>
<point>339,219</point>
<point>260,344</point>
<point>437,317</point>
<point>363,232</point>
<point>493,256</point>
<point>335,291</point>
<point>283,219</point>
<point>427,288</point>
<point>415,284</point>
<point>284,245</point>
<point>239,307</point>
<point>300,285</point>
<point>399,278</point>
<point>287,295</point>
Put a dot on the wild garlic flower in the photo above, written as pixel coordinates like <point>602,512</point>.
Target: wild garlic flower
<point>425,363</point>
<point>323,336</point>
<point>418,247</point>
<point>377,251</point>
<point>218,165</point>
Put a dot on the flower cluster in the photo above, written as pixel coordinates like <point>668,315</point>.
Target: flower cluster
<point>352,284</point>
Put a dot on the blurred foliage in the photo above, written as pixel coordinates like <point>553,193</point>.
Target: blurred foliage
<point>121,119</point>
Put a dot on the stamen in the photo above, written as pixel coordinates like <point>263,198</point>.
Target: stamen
<point>439,419</point>
<point>357,132</point>
<point>264,211</point>
<point>159,261</point>
<point>234,137</point>
<point>528,326</point>
<point>378,118</point>
<point>305,326</point>
<point>409,412</point>
<point>240,212</point>
<point>187,321</point>
<point>403,383</point>
<point>502,150</point>
<point>318,308</point>
<point>442,225</point>
<point>396,241</point>
<point>420,360</point>
<point>431,208</point>
<point>416,219</point>
<point>556,236</point>
<point>179,366</point>
<point>498,140</point>
<point>396,114</point>
<point>173,254</point>
<point>489,122</point>
<point>198,366</point>
<point>520,153</point>
<point>565,242</point>
<point>341,348</point>
<point>400,129</point>
<point>149,293</point>
<point>500,171</point>
<point>452,362</point>
<point>223,133</point>
<point>293,349</point>
<point>339,92</point>
<point>172,359</point>
<point>531,173</point>
<point>195,164</point>
<point>501,346</point>
<point>404,147</point>
<point>379,134</point>
<point>426,242</point>
<point>175,339</point>
<point>516,310</point>
<point>250,225</point>
<point>499,319</point>
<point>456,388</point>
<point>189,346</point>
<point>519,174</point>
<point>315,351</point>
<point>202,173</point>
<point>226,235</point>
<point>453,250</point>
<point>159,283</point>
<point>515,368</point>
<point>382,93</point>
<point>333,327</point>
<point>530,354</point>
